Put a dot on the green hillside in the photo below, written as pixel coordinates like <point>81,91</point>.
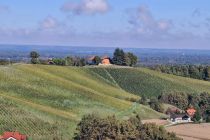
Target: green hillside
<point>148,82</point>
<point>45,102</point>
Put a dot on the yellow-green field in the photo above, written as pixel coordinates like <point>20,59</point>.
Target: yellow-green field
<point>46,102</point>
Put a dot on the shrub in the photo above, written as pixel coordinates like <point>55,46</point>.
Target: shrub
<point>93,127</point>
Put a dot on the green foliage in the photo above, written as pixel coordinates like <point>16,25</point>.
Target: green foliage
<point>69,61</point>
<point>192,71</point>
<point>94,127</point>
<point>4,62</point>
<point>59,61</point>
<point>34,57</point>
<point>179,99</point>
<point>34,54</point>
<point>133,59</point>
<point>124,59</point>
<point>97,60</point>
<point>156,105</point>
<point>201,102</point>
<point>143,100</point>
<point>119,57</point>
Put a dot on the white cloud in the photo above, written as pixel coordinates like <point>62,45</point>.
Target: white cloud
<point>144,22</point>
<point>89,7</point>
<point>49,23</point>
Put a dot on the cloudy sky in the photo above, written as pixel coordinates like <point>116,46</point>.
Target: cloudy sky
<point>109,23</point>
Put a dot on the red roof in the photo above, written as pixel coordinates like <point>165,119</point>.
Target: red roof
<point>15,135</point>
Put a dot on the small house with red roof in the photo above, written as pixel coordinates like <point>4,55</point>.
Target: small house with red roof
<point>13,136</point>
<point>105,60</point>
<point>191,111</point>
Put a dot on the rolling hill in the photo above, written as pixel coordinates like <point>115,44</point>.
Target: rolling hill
<point>46,102</point>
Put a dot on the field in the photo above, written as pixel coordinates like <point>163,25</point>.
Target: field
<point>150,83</point>
<point>47,102</point>
<point>192,131</point>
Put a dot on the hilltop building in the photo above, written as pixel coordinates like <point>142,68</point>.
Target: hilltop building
<point>13,136</point>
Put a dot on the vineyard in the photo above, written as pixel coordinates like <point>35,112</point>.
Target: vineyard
<point>141,81</point>
<point>48,101</point>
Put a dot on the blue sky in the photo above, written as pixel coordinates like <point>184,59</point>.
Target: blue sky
<point>109,23</point>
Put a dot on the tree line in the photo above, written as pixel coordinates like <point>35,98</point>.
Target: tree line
<point>193,71</point>
<point>119,58</point>
<point>93,127</point>
<point>201,103</point>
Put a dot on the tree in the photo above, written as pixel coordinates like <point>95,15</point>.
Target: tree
<point>59,61</point>
<point>156,105</point>
<point>97,60</point>
<point>143,100</point>
<point>69,61</point>
<point>119,57</point>
<point>34,57</point>
<point>93,127</point>
<point>133,59</point>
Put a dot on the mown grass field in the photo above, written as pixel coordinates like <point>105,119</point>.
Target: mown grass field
<point>47,102</point>
<point>141,81</point>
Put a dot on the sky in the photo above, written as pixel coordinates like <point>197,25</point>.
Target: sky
<point>172,24</point>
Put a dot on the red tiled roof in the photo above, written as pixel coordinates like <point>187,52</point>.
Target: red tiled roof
<point>15,135</point>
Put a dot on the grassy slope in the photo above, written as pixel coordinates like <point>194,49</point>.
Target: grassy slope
<point>151,83</point>
<point>47,101</point>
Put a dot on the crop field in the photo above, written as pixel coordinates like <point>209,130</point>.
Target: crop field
<point>48,101</point>
<point>141,81</point>
<point>191,131</point>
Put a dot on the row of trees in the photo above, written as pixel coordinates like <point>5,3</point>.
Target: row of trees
<point>201,102</point>
<point>68,61</point>
<point>93,127</point>
<point>192,71</point>
<point>119,58</point>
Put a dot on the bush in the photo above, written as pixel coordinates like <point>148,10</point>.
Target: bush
<point>92,127</point>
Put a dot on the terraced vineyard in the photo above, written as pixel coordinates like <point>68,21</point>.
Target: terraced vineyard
<point>150,83</point>
<point>48,101</point>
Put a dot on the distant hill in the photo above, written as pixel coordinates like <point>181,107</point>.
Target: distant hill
<point>48,101</point>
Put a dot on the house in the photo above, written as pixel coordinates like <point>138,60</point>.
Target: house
<point>180,118</point>
<point>105,60</point>
<point>191,111</point>
<point>13,136</point>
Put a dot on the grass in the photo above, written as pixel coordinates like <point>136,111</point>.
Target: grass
<point>46,102</point>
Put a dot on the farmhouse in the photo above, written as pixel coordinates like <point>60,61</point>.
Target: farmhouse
<point>13,136</point>
<point>180,118</point>
<point>105,60</point>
